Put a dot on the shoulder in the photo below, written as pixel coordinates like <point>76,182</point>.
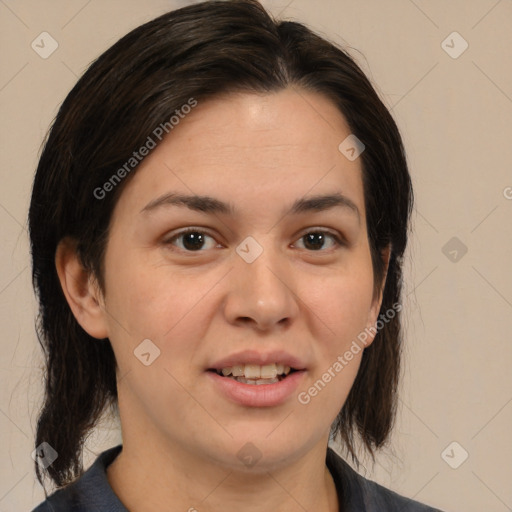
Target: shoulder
<point>361,494</point>
<point>70,498</point>
<point>90,492</point>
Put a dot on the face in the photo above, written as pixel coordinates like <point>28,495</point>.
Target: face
<point>255,282</point>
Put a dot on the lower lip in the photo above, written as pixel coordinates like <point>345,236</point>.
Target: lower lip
<point>258,395</point>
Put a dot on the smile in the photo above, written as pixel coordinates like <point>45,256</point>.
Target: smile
<point>256,374</point>
<point>260,392</point>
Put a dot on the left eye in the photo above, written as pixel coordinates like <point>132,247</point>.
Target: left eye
<point>194,240</point>
<point>316,238</point>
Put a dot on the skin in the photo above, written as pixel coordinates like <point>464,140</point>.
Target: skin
<point>180,435</point>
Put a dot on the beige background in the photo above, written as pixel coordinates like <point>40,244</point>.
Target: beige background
<point>455,115</point>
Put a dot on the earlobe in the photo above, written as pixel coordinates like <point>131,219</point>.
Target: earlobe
<point>81,292</point>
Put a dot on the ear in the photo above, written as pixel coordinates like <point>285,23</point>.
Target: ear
<point>81,290</point>
<point>377,297</point>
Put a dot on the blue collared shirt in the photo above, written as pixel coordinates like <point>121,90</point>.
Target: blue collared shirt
<point>93,493</point>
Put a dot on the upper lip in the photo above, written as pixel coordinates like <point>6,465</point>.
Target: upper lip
<point>259,358</point>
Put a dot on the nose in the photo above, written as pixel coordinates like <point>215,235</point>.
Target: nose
<point>261,294</point>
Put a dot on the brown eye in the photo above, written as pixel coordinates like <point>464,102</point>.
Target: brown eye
<point>316,240</point>
<point>193,240</point>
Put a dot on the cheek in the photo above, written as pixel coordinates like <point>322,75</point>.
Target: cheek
<point>147,296</point>
<point>172,309</point>
<point>341,304</point>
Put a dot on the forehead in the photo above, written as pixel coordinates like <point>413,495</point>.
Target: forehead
<point>247,148</point>
<point>283,125</point>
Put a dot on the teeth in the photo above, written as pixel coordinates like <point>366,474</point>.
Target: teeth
<point>256,382</point>
<point>267,381</point>
<point>255,371</point>
<point>269,371</point>
<point>237,370</point>
<point>252,371</point>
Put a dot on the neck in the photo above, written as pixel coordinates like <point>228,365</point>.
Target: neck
<point>146,477</point>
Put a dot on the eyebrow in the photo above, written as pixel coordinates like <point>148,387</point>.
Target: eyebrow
<point>208,204</point>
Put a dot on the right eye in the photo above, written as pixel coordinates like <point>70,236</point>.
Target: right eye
<point>193,239</point>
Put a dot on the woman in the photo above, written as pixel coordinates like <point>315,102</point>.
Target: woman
<point>217,226</point>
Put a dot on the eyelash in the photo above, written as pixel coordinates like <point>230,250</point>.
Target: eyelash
<point>339,242</point>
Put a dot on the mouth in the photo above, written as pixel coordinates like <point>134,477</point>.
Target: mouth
<point>254,374</point>
<point>252,378</point>
<point>253,385</point>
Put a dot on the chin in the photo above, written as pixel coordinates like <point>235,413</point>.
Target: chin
<point>255,451</point>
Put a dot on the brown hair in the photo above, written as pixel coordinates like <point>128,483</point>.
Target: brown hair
<point>199,52</point>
